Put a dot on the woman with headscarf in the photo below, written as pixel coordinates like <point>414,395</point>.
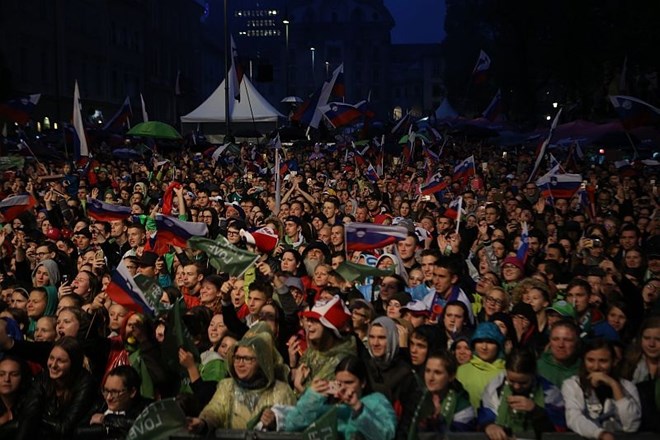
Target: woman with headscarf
<point>60,396</point>
<point>389,373</point>
<point>41,302</point>
<point>251,388</point>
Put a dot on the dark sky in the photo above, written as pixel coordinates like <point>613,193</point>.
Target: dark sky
<point>417,21</point>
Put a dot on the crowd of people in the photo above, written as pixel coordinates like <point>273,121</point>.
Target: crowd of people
<point>454,328</point>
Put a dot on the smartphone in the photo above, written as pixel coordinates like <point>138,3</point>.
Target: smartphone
<point>65,279</point>
<point>426,198</point>
<point>333,387</point>
<point>504,155</point>
<point>484,166</point>
<point>99,255</point>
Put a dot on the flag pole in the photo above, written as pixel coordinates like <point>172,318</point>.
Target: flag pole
<point>632,144</point>
<point>278,180</point>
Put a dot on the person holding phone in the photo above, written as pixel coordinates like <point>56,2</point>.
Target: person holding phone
<point>359,411</point>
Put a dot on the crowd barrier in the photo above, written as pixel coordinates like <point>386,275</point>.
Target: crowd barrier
<point>226,434</point>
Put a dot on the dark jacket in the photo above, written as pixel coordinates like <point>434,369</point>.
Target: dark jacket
<point>45,417</point>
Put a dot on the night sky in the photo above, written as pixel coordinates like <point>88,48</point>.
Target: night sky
<point>417,21</point>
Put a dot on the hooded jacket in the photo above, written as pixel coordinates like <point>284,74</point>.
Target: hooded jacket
<point>53,272</point>
<point>237,404</point>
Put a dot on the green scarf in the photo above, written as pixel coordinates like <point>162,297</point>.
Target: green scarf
<point>426,409</point>
<point>518,422</point>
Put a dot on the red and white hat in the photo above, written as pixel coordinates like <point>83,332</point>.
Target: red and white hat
<point>265,239</point>
<point>331,314</point>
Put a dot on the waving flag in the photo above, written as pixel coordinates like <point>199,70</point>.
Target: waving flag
<point>523,249</point>
<point>369,236</point>
<point>340,113</point>
<point>634,112</point>
<point>235,73</point>
<point>464,170</point>
<point>121,117</point>
<point>224,256</point>
<point>19,110</point>
<point>559,186</point>
<point>309,112</point>
<point>124,290</point>
<point>80,140</point>
<point>435,184</point>
<point>175,232</point>
<point>494,109</point>
<point>13,206</point>
<point>105,212</point>
<point>455,209</point>
<point>481,67</point>
<point>371,174</point>
<point>544,146</point>
<point>145,115</point>
<point>168,197</point>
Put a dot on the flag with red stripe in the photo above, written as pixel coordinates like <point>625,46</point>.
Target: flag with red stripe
<point>105,212</point>
<point>13,206</point>
<point>124,290</point>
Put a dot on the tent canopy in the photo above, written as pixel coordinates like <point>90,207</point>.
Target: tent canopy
<point>251,108</point>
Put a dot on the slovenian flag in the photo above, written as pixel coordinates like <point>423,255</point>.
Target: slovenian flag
<point>559,186</point>
<point>369,236</point>
<point>13,206</point>
<point>371,173</point>
<point>464,170</point>
<point>121,117</point>
<point>523,249</point>
<point>19,110</point>
<point>634,112</point>
<point>123,290</point>
<point>175,232</point>
<point>340,113</point>
<point>105,212</point>
<point>434,185</point>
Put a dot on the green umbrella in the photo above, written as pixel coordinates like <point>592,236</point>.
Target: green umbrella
<point>154,129</point>
<point>352,271</point>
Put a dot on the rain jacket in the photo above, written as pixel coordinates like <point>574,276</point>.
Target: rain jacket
<point>476,374</point>
<point>238,405</point>
<point>322,363</point>
<point>376,420</point>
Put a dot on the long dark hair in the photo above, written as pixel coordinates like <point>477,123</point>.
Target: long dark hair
<point>603,392</point>
<point>76,356</point>
<point>356,366</point>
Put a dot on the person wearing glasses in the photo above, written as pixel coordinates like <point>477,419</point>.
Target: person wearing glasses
<point>121,404</point>
<point>240,401</point>
<point>494,300</point>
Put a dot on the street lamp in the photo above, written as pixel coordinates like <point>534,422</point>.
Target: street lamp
<point>327,69</point>
<point>313,50</point>
<point>286,56</point>
<point>555,104</point>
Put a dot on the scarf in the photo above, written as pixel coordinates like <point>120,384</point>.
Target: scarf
<point>518,422</point>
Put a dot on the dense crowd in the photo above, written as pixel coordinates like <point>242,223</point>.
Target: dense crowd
<point>458,330</point>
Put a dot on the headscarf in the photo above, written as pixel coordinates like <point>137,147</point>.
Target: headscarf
<point>392,341</point>
<point>51,301</point>
<point>53,271</point>
<point>488,331</point>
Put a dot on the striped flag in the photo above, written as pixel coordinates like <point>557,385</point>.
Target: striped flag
<point>559,186</point>
<point>175,232</point>
<point>145,115</point>
<point>369,236</point>
<point>105,212</point>
<point>124,290</point>
<point>464,170</point>
<point>80,141</point>
<point>371,173</point>
<point>13,206</point>
<point>523,249</point>
<point>434,185</point>
<point>544,146</point>
<point>121,117</point>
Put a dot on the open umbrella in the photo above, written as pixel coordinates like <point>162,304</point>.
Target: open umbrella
<point>154,129</point>
<point>292,99</point>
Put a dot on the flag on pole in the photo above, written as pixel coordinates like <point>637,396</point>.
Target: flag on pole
<point>223,255</point>
<point>175,232</point>
<point>218,151</point>
<point>277,144</point>
<point>464,170</point>
<point>494,109</point>
<point>177,335</point>
<point>235,72</point>
<point>523,248</point>
<point>481,67</point>
<point>435,184</point>
<point>19,110</point>
<point>121,117</point>
<point>371,174</point>
<point>369,236</point>
<point>309,112</point>
<point>340,114</point>
<point>559,186</point>
<point>80,141</point>
<point>544,146</point>
<point>145,115</point>
<point>634,112</point>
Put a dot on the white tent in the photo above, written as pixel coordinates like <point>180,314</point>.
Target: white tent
<point>251,108</point>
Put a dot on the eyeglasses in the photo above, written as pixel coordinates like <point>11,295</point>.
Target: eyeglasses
<point>113,393</point>
<point>244,359</point>
<point>232,232</point>
<point>492,300</point>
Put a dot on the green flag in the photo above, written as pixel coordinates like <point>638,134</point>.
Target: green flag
<point>9,162</point>
<point>151,290</point>
<point>223,255</point>
<point>177,336</point>
<point>324,428</point>
<point>159,420</point>
<point>353,271</point>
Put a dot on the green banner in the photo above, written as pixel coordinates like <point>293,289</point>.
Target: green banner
<point>223,255</point>
<point>325,428</point>
<point>353,271</point>
<point>151,290</point>
<point>159,420</point>
<point>177,336</point>
<point>9,162</point>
